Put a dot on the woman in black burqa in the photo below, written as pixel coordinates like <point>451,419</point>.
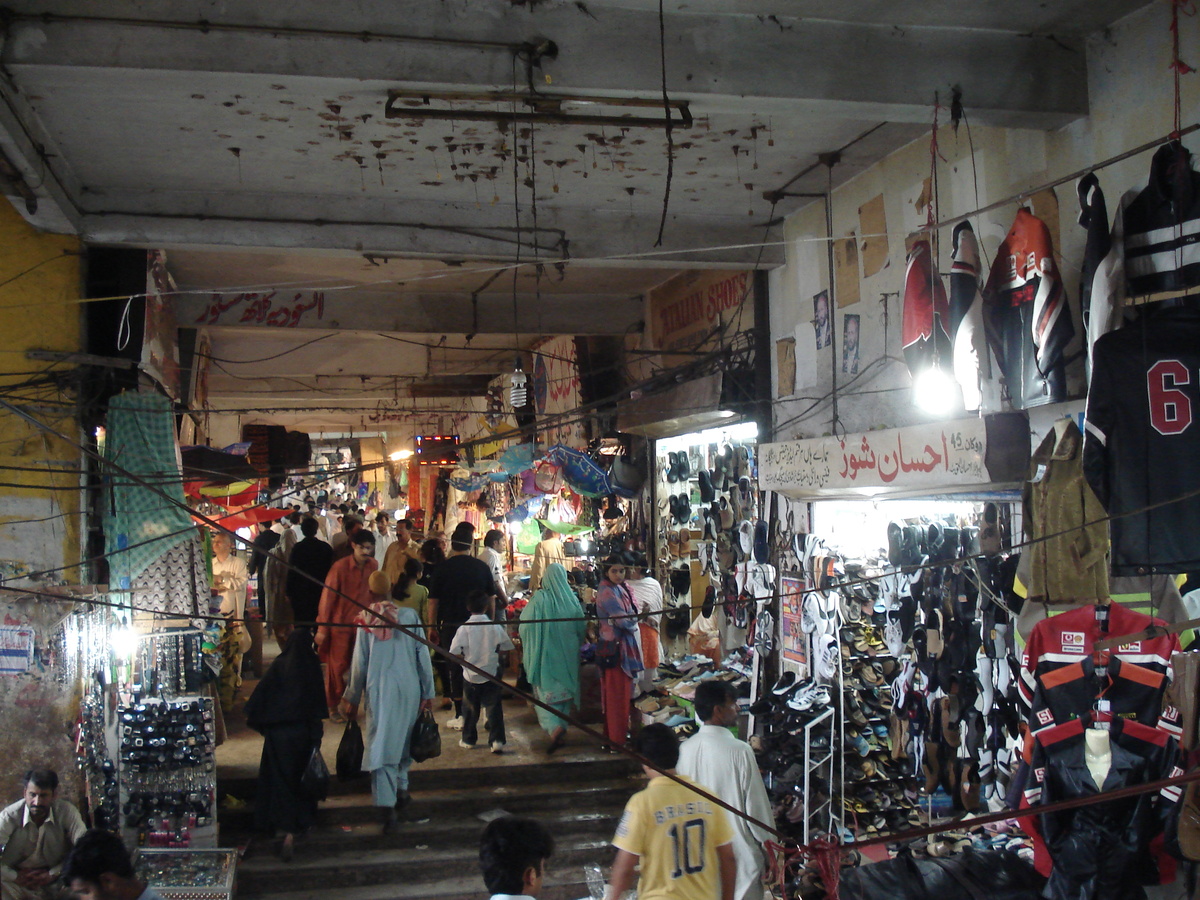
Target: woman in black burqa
<point>287,708</point>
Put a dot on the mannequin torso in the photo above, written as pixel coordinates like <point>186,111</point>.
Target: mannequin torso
<point>1097,753</point>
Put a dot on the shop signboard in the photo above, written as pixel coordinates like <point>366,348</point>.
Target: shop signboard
<point>794,643</point>
<point>556,386</point>
<point>934,457</point>
<point>688,311</point>
<point>16,649</point>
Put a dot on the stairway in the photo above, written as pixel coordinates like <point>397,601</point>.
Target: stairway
<point>435,854</point>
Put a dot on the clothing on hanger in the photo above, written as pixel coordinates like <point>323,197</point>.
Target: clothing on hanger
<point>1026,316</point>
<point>1067,638</point>
<point>1104,851</point>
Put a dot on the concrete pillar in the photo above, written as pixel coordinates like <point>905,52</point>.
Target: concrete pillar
<point>40,498</point>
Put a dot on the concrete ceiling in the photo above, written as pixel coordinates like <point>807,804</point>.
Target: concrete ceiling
<point>251,140</point>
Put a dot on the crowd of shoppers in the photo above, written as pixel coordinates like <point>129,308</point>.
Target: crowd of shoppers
<point>357,609</point>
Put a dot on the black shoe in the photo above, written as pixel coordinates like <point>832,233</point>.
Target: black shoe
<point>760,707</point>
<point>784,684</point>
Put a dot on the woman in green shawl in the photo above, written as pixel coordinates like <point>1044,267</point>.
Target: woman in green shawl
<point>550,650</point>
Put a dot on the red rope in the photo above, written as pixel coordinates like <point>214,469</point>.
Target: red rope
<point>824,854</point>
<point>1178,66</point>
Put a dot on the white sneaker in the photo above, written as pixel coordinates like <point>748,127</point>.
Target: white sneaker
<point>497,747</point>
<point>467,746</point>
<point>454,724</point>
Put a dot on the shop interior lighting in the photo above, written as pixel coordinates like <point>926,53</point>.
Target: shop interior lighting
<point>741,433</point>
<point>509,107</point>
<point>399,455</point>
<point>124,640</point>
<point>518,389</point>
<point>935,392</point>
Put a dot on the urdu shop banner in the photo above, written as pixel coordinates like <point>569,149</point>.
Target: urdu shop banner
<point>936,456</point>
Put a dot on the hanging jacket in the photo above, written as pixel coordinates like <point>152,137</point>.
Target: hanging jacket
<point>1126,691</point>
<point>923,330</point>
<point>1067,638</point>
<point>1162,226</point>
<point>1102,276</point>
<point>1065,520</point>
<point>1142,444</point>
<point>966,315</point>
<point>1026,315</point>
<point>1102,851</point>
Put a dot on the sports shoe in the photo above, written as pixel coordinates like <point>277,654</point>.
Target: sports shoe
<point>497,747</point>
<point>455,724</point>
<point>465,745</point>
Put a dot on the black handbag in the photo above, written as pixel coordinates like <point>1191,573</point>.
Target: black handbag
<point>315,780</point>
<point>608,654</point>
<point>426,741</point>
<point>350,753</point>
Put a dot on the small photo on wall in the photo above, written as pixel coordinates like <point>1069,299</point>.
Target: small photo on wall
<point>822,320</point>
<point>850,344</point>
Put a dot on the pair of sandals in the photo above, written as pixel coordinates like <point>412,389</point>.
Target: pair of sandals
<point>679,467</point>
<point>679,543</point>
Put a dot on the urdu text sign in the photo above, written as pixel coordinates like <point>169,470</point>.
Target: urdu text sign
<point>934,456</point>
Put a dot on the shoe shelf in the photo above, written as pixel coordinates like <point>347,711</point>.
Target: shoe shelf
<point>819,818</point>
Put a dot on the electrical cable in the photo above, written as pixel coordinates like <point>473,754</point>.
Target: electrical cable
<point>411,631</point>
<point>669,123</point>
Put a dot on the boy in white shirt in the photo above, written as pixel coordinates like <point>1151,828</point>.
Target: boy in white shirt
<point>480,641</point>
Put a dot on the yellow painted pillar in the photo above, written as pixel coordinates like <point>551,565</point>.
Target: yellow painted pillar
<point>40,495</point>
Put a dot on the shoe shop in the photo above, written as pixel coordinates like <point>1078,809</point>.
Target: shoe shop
<point>983,680</point>
<point>930,669</point>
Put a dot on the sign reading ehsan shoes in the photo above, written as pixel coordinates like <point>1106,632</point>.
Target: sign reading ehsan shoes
<point>942,456</point>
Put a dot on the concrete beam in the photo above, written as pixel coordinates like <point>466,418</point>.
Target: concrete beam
<point>438,231</point>
<point>722,61</point>
<point>25,144</point>
<point>279,312</point>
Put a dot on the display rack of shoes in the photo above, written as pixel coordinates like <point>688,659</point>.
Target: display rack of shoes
<point>879,791</point>
<point>819,753</point>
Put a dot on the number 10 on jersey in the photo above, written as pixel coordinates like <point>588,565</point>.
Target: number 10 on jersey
<point>688,844</point>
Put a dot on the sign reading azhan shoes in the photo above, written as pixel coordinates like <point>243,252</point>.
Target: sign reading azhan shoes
<point>939,457</point>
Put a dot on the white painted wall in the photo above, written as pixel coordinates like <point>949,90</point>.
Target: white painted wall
<point>1131,95</point>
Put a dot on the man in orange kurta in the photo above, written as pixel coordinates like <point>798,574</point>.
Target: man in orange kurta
<point>345,596</point>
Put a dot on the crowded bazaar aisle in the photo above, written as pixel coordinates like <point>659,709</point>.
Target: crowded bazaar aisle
<point>578,793</point>
<point>238,757</point>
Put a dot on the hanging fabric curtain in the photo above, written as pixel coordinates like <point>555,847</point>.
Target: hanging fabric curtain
<point>141,524</point>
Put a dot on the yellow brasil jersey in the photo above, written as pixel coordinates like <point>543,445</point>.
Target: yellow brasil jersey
<point>676,832</point>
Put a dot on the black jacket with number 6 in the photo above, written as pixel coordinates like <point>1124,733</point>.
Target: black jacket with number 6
<point>1141,450</point>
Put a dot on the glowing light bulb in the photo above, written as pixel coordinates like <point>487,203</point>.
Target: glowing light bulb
<point>936,392</point>
<point>124,641</point>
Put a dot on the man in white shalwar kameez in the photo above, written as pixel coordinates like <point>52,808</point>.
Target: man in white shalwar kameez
<point>722,764</point>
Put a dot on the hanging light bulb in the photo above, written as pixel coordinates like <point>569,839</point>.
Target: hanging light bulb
<point>124,640</point>
<point>936,392</point>
<point>518,390</point>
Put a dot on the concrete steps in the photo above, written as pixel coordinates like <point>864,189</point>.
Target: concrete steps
<point>435,852</point>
